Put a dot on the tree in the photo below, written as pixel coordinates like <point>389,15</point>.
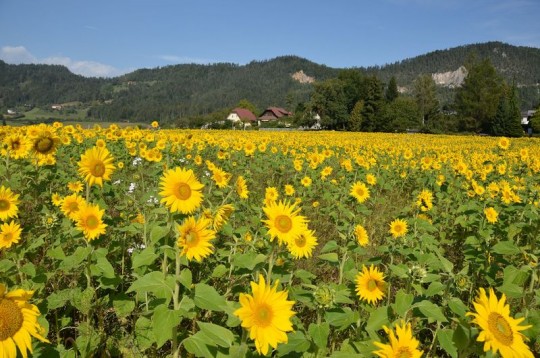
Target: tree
<point>373,105</point>
<point>400,115</point>
<point>425,94</point>
<point>534,121</point>
<point>507,120</point>
<point>328,100</point>
<point>478,97</point>
<point>3,119</point>
<point>355,118</point>
<point>392,91</point>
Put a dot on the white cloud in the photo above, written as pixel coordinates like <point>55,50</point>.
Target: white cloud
<point>16,55</point>
<point>19,54</point>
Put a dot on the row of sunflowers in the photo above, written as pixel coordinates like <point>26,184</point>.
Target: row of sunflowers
<point>151,242</point>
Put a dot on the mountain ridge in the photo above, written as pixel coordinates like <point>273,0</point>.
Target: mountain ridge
<point>182,90</point>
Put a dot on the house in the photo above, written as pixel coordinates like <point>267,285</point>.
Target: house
<point>11,111</point>
<point>273,113</point>
<point>241,114</point>
<point>58,107</point>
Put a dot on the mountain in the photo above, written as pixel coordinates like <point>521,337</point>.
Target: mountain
<point>171,92</point>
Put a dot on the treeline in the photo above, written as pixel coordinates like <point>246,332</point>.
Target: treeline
<point>485,103</point>
<point>182,93</point>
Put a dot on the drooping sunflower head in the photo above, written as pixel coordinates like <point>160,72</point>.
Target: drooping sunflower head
<point>500,332</point>
<point>361,235</point>
<point>195,236</point>
<point>284,221</point>
<point>398,228</point>
<point>370,284</point>
<point>241,188</point>
<point>222,215</point>
<point>266,313</point>
<point>18,322</point>
<point>8,203</point>
<point>360,191</point>
<point>90,221</point>
<point>10,233</point>
<point>303,244</point>
<point>180,190</point>
<point>401,343</point>
<point>96,165</point>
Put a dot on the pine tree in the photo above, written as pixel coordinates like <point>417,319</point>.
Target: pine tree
<point>392,91</point>
<point>507,120</point>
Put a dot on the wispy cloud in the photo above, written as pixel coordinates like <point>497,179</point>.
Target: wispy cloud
<point>19,55</point>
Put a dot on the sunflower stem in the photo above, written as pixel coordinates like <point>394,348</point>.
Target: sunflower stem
<point>176,302</point>
<point>271,261</point>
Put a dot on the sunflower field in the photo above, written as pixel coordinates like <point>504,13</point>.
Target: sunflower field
<point>127,242</point>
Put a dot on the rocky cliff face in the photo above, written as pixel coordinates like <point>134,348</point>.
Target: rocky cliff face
<point>301,77</point>
<point>450,79</point>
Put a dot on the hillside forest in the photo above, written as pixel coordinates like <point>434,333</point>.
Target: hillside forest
<point>500,81</point>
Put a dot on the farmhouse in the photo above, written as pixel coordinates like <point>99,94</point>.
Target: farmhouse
<point>241,114</point>
<point>273,113</point>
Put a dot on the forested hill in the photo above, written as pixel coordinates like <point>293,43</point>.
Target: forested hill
<point>171,92</point>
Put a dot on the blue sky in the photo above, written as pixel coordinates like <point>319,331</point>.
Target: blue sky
<point>111,37</point>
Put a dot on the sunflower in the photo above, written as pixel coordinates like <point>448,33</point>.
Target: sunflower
<point>220,177</point>
<point>45,143</point>
<point>500,332</point>
<point>96,165</point>
<point>289,190</point>
<point>18,146</point>
<point>370,284</point>
<point>90,222</point>
<point>371,179</point>
<point>303,244</point>
<point>195,237</point>
<point>9,234</point>
<point>71,205</point>
<point>306,181</point>
<point>402,343</point>
<point>18,321</point>
<point>271,194</point>
<point>56,199</point>
<point>8,203</point>
<point>222,215</point>
<point>241,188</point>
<point>154,124</point>
<point>504,143</point>
<point>266,314</point>
<point>398,228</point>
<point>361,235</point>
<point>360,191</point>
<point>283,221</point>
<point>75,186</point>
<point>491,215</point>
<point>181,191</point>
<point>424,200</point>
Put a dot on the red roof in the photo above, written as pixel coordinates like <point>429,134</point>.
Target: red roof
<point>274,113</point>
<point>245,114</point>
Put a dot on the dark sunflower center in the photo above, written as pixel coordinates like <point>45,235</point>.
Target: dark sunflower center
<point>92,222</point>
<point>16,144</point>
<point>283,223</point>
<point>44,145</point>
<point>183,191</point>
<point>11,318</point>
<point>7,237</point>
<point>263,315</point>
<point>500,328</point>
<point>4,205</point>
<point>300,241</point>
<point>98,169</point>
